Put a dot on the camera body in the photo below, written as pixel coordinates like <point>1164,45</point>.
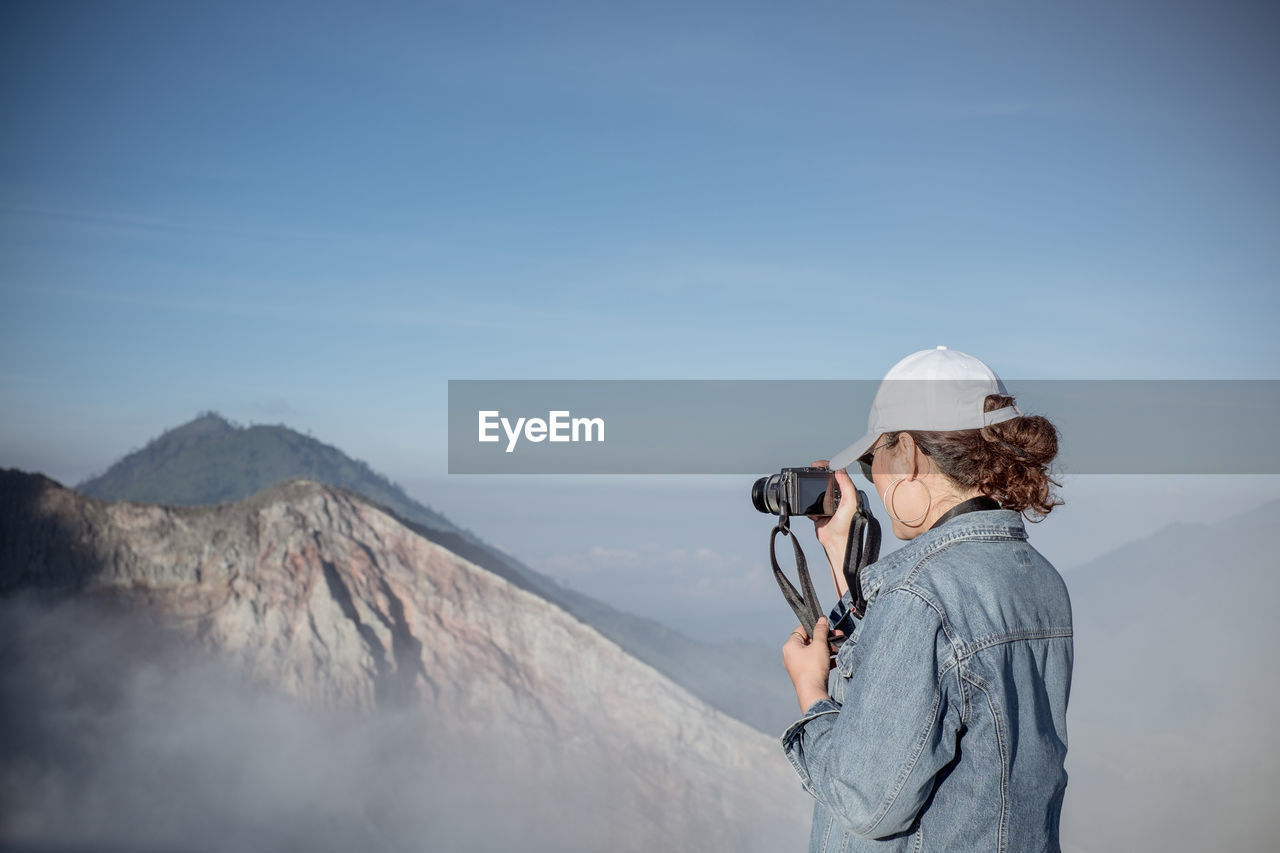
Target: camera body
<point>802,491</point>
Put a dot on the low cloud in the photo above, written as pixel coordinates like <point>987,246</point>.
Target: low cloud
<point>116,738</point>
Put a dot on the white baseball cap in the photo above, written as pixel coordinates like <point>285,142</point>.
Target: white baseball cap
<point>933,389</point>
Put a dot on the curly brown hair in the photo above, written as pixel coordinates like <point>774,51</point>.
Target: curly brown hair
<point>1008,461</point>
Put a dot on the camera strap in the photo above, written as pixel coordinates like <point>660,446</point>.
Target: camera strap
<point>803,604</point>
<point>862,549</point>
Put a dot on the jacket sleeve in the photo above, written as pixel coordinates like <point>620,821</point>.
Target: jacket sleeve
<point>873,760</point>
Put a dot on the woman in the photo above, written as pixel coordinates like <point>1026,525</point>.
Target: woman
<point>941,723</point>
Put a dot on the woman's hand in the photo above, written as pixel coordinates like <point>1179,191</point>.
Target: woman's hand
<point>808,662</point>
<point>833,531</point>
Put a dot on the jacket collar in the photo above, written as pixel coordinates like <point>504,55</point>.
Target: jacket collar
<point>983,524</point>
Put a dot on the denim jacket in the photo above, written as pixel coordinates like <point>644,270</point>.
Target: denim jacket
<point>946,728</point>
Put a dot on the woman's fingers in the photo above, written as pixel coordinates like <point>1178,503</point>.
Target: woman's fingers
<point>848,493</point>
<point>820,521</point>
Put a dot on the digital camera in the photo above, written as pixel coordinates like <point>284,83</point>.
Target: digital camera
<point>802,491</point>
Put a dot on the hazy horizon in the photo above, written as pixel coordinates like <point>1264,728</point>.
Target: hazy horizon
<point>701,566</point>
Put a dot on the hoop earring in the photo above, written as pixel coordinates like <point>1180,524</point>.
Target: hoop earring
<point>891,493</point>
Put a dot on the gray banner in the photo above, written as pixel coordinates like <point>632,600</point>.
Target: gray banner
<point>759,426</point>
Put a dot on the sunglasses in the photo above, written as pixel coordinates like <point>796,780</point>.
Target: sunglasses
<point>867,458</point>
<point>865,461</point>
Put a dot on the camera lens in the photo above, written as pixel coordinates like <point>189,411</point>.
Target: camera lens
<point>764,494</point>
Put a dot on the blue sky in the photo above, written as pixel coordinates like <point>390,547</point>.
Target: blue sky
<point>318,213</point>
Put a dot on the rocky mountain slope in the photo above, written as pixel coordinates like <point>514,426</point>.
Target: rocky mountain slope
<point>209,460</point>
<point>316,593</point>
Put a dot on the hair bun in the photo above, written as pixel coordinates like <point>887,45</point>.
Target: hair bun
<point>1008,461</point>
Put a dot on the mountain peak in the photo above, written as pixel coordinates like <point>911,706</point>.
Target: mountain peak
<point>205,423</point>
<point>212,460</point>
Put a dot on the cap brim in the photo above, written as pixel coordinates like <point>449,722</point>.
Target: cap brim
<point>850,454</point>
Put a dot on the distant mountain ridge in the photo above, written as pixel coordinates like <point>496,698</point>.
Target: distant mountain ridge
<point>1173,739</point>
<point>209,461</point>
